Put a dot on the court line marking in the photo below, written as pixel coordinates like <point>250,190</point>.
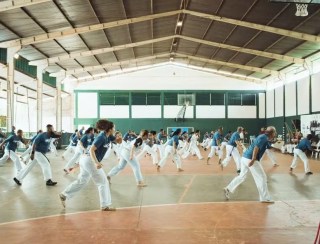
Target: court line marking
<point>151,206</point>
<point>186,189</point>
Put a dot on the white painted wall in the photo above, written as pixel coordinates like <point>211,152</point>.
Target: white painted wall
<point>88,105</point>
<point>151,111</point>
<point>270,103</point>
<point>290,99</point>
<point>278,101</point>
<point>111,112</point>
<point>262,105</point>
<point>240,112</point>
<point>303,96</point>
<point>169,77</point>
<point>315,92</point>
<point>210,112</point>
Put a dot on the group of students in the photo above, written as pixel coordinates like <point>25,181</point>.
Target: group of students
<point>93,145</point>
<point>38,147</point>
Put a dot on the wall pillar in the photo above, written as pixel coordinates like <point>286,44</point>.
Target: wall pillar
<point>10,85</point>
<point>40,70</point>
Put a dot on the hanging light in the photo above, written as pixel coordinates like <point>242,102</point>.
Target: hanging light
<point>16,55</point>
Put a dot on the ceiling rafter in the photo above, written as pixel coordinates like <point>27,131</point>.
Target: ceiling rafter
<point>128,27</point>
<point>85,29</point>
<point>13,4</point>
<point>234,28</point>
<point>104,32</point>
<point>208,28</point>
<point>131,61</point>
<point>234,65</point>
<point>80,30</point>
<point>281,38</point>
<point>113,64</point>
<point>259,32</point>
<point>75,55</point>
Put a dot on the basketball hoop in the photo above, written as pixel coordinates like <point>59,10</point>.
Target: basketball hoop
<point>302,8</point>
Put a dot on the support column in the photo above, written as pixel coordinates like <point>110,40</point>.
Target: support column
<point>10,85</point>
<point>59,104</point>
<point>40,69</point>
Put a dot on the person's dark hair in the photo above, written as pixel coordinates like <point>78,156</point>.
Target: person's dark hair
<point>19,131</point>
<point>104,125</point>
<point>76,131</point>
<point>48,126</point>
<point>153,132</point>
<point>88,130</point>
<point>39,131</point>
<point>161,130</point>
<point>177,132</point>
<point>144,133</point>
<point>197,131</point>
<point>95,130</point>
<point>229,131</point>
<point>184,133</point>
<point>309,137</point>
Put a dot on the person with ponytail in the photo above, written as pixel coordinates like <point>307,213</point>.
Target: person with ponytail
<point>91,167</point>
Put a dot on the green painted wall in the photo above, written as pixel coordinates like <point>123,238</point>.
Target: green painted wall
<point>252,125</point>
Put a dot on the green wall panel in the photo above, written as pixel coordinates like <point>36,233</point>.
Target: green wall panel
<point>252,125</point>
<point>22,65</point>
<point>51,81</point>
<point>3,55</point>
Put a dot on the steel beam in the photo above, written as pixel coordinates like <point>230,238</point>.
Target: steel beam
<point>99,67</point>
<point>75,55</point>
<point>238,66</point>
<point>80,30</point>
<point>13,4</point>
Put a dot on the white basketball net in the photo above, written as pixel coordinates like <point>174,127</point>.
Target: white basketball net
<point>302,9</point>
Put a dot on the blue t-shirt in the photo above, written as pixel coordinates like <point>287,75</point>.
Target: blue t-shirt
<point>102,143</point>
<point>81,132</point>
<point>216,136</point>
<point>261,142</point>
<point>12,142</point>
<point>304,144</point>
<point>42,142</point>
<point>175,139</point>
<point>74,140</point>
<point>235,137</point>
<point>87,140</point>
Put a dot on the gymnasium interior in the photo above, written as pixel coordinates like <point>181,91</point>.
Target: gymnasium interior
<point>162,64</point>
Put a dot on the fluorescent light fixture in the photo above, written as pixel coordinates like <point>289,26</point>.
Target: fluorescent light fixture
<point>179,23</point>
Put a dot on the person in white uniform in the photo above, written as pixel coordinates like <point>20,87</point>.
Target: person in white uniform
<point>171,149</point>
<point>127,155</point>
<point>53,147</point>
<point>40,147</point>
<point>149,147</point>
<point>299,151</point>
<point>193,147</point>
<point>250,161</point>
<point>232,150</point>
<point>10,150</point>
<point>25,156</point>
<point>215,145</point>
<point>82,147</point>
<point>91,167</point>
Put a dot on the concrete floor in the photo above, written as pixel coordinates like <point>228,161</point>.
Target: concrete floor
<point>187,207</point>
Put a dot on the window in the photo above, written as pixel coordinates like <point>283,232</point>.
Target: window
<point>248,99</point>
<point>106,98</point>
<point>203,99</point>
<point>139,98</point>
<point>153,98</point>
<point>170,99</point>
<point>234,99</point>
<point>217,99</point>
<point>121,99</point>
